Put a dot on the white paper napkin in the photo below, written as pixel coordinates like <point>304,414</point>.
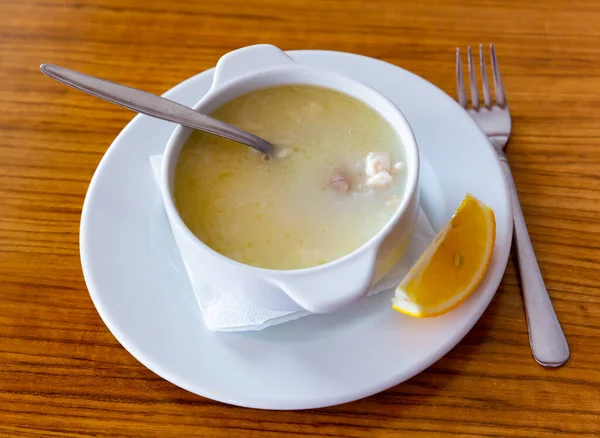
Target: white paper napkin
<point>222,312</point>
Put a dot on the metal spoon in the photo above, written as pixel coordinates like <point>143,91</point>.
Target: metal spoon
<point>155,106</point>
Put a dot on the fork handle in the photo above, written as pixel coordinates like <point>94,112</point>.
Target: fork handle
<point>546,338</point>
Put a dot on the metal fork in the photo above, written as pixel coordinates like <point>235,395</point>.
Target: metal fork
<point>547,340</point>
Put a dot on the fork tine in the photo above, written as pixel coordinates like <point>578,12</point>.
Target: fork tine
<point>487,95</point>
<point>500,96</point>
<point>460,81</point>
<point>472,80</point>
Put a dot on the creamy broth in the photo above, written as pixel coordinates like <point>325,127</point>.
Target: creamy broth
<point>317,201</point>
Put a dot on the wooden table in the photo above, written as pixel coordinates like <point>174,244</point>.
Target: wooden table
<point>62,373</point>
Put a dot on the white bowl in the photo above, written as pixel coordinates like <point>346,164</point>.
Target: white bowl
<point>320,289</point>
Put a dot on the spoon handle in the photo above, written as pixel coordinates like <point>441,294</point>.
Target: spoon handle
<point>548,343</point>
<point>155,106</point>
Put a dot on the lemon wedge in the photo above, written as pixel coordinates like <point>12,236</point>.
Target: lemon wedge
<point>452,266</point>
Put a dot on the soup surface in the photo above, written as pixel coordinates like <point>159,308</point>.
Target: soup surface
<point>337,179</point>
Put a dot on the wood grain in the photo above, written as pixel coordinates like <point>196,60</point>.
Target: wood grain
<point>61,371</point>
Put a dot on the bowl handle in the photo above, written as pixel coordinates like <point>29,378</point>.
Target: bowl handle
<point>334,287</point>
<point>246,60</point>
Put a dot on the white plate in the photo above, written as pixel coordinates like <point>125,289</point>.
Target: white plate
<point>137,282</point>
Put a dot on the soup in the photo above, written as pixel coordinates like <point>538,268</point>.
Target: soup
<point>337,178</point>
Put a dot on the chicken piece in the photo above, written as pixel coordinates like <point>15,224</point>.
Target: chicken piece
<point>340,181</point>
<point>380,179</point>
<point>377,169</point>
